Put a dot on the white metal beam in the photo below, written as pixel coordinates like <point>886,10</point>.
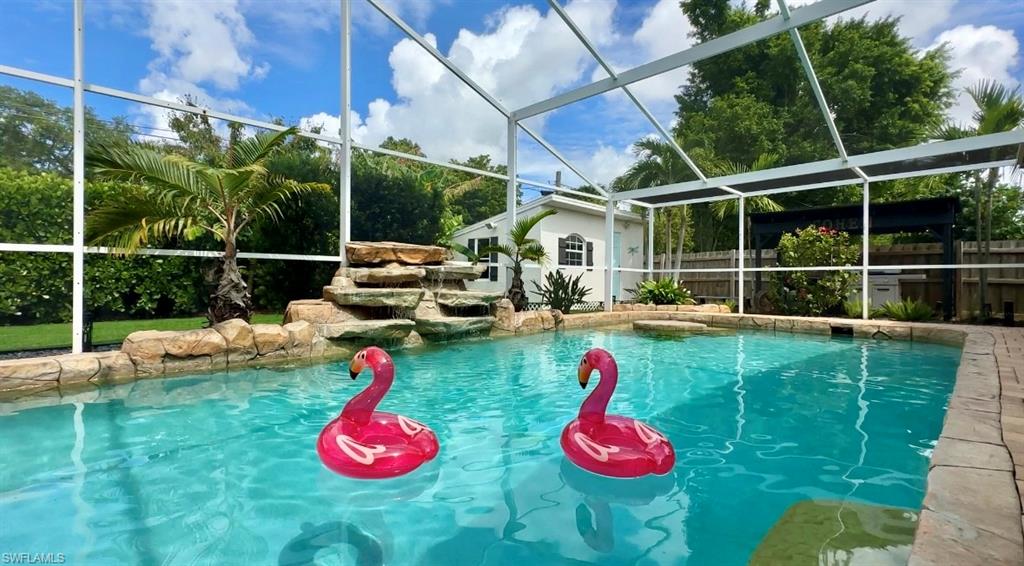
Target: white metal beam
<point>609,254</point>
<point>741,292</point>
<point>829,165</point>
<point>511,187</point>
<point>629,93</point>
<point>708,49</point>
<point>865,308</point>
<point>561,158</point>
<point>345,131</point>
<point>40,77</point>
<point>812,77</point>
<point>78,184</point>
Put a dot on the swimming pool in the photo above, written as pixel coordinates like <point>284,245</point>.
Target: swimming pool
<point>221,469</point>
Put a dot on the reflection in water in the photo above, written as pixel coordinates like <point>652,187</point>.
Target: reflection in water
<point>333,538</point>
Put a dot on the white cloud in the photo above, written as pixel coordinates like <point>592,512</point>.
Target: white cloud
<point>918,18</point>
<point>523,56</point>
<point>980,53</point>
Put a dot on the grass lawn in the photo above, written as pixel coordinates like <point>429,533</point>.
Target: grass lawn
<point>30,337</point>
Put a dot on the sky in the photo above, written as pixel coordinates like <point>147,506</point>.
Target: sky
<point>280,58</point>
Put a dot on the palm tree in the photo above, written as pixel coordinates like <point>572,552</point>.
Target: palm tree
<point>520,247</point>
<point>731,207</point>
<point>999,109</point>
<point>172,197</point>
<point>658,163</point>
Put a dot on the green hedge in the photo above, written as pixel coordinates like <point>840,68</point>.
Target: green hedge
<point>34,288</point>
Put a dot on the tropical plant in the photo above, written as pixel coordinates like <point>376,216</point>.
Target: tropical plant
<point>812,293</point>
<point>664,291</point>
<point>519,248</point>
<point>731,304</point>
<point>907,310</point>
<point>854,309</point>
<point>999,109</point>
<point>172,197</point>
<point>561,292</point>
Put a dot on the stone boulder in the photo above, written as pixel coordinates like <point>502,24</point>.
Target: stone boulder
<point>395,297</point>
<point>462,299</point>
<point>454,325</point>
<point>504,315</point>
<point>192,343</point>
<point>300,338</point>
<point>241,344</point>
<point>146,350</point>
<point>668,326</point>
<point>269,338</point>
<point>318,311</point>
<point>374,253</point>
<point>387,329</point>
<point>452,271</point>
<point>390,273</point>
<point>77,368</point>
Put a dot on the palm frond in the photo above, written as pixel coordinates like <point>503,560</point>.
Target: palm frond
<point>461,249</point>
<point>533,251</point>
<point>136,163</point>
<point>136,219</point>
<point>521,230</point>
<point>255,149</point>
<point>503,249</point>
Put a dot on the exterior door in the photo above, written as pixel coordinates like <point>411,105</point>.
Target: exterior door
<point>616,262</point>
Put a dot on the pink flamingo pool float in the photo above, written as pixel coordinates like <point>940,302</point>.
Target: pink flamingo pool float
<point>612,445</point>
<point>369,444</point>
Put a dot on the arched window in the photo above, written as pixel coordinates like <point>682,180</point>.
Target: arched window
<point>575,248</point>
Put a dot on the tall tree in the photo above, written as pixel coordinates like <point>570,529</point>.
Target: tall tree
<point>174,197</point>
<point>36,132</point>
<point>999,109</point>
<point>519,248</point>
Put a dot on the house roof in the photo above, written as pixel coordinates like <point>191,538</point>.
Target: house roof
<point>554,201</point>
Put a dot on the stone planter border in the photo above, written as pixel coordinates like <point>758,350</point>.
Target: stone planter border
<point>973,500</point>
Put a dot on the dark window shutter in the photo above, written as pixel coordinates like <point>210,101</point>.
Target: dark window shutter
<point>561,251</point>
<point>590,254</point>
<point>472,245</point>
<point>494,256</point>
<point>492,273</point>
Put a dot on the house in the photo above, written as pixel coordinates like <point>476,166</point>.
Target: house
<point>575,241</point>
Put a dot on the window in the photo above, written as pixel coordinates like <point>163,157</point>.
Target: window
<point>572,250</point>
<point>477,244</point>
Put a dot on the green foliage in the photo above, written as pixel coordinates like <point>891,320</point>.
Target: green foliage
<point>450,224</point>
<point>36,135</point>
<point>35,208</point>
<point>731,304</point>
<point>907,310</point>
<point>665,291</point>
<point>561,292</point>
<point>812,293</point>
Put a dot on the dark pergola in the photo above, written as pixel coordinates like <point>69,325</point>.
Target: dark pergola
<point>933,216</point>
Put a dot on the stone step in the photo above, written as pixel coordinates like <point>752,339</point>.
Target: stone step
<point>454,271</point>
<point>459,299</point>
<point>374,296</point>
<point>454,325</point>
<point>375,253</point>
<point>388,329</point>
<point>391,273</point>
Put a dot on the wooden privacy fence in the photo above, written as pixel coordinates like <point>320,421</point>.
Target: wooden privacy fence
<point>1004,284</point>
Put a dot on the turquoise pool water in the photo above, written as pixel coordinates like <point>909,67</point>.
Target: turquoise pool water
<point>221,469</point>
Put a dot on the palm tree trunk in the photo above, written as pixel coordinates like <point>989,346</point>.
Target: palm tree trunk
<point>667,214</point>
<point>516,289</point>
<point>993,176</point>
<point>231,298</point>
<point>683,217</point>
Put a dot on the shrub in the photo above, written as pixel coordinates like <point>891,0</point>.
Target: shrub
<point>561,292</point>
<point>907,310</point>
<point>664,291</point>
<point>813,293</point>
<point>731,304</point>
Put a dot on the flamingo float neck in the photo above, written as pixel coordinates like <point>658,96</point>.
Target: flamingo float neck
<point>361,407</point>
<point>594,408</point>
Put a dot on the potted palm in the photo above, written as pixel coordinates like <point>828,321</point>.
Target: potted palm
<point>168,196</point>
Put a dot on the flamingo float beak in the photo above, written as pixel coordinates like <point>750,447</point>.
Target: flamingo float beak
<point>584,373</point>
<point>355,366</point>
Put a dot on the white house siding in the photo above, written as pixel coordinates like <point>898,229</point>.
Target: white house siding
<point>571,219</point>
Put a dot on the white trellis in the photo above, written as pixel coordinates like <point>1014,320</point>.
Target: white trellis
<point>925,159</point>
